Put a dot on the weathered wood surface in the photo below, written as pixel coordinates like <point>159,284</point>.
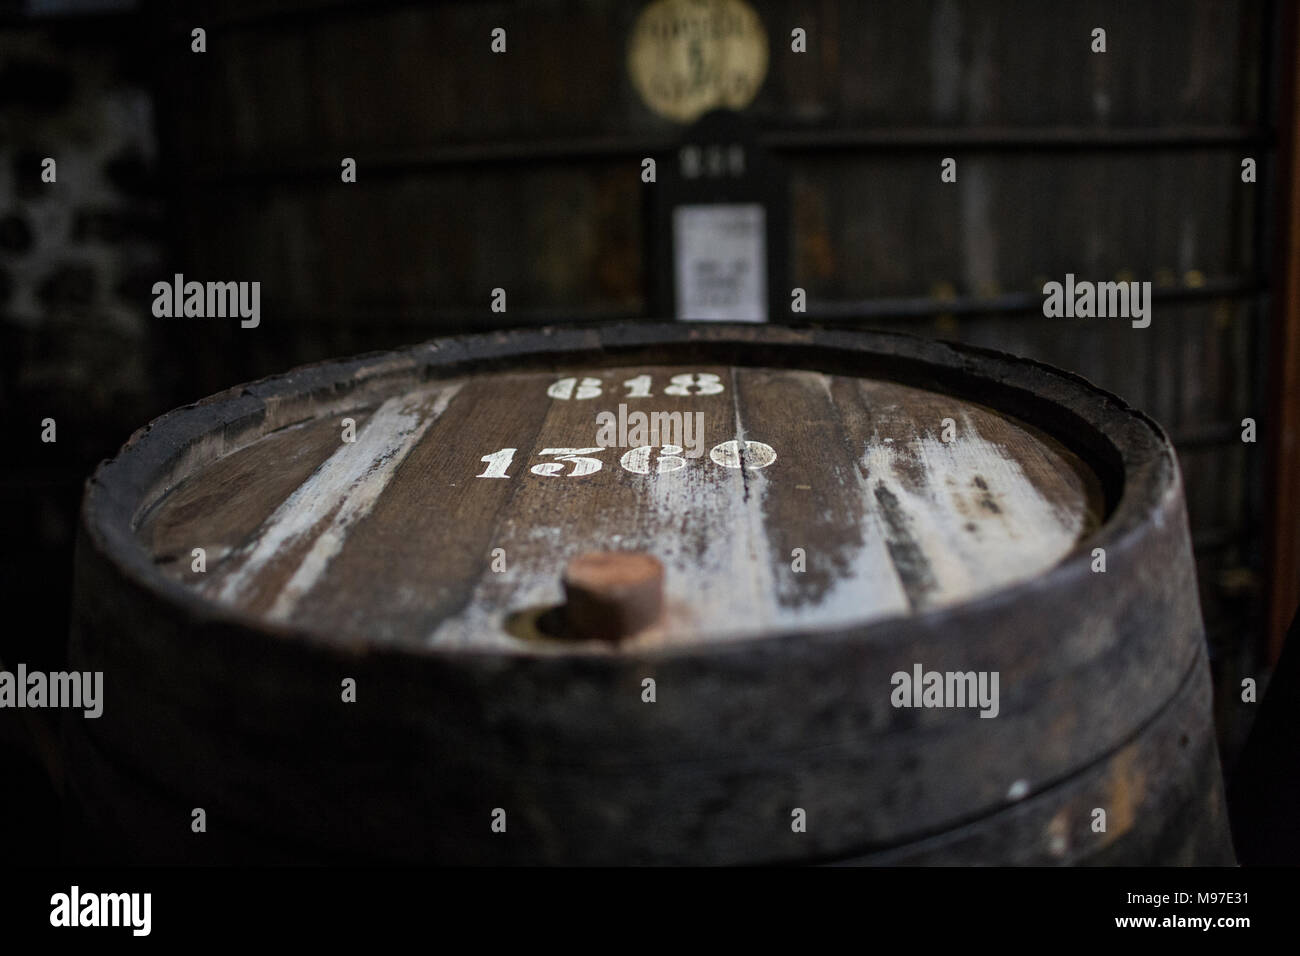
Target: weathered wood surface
<point>219,705</point>
<point>392,537</point>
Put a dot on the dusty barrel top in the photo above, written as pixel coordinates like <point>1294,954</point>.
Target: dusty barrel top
<point>392,500</point>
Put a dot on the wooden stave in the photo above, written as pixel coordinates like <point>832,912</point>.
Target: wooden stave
<point>1154,542</point>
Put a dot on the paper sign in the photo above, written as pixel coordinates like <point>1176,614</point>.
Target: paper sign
<point>721,267</point>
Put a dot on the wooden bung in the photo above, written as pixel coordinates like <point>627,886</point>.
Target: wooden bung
<point>610,595</point>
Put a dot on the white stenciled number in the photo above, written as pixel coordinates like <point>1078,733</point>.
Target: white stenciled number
<point>642,460</point>
<point>638,387</point>
<point>638,460</point>
<point>735,454</point>
<point>564,388</point>
<point>704,383</point>
<point>581,466</point>
<point>497,463</point>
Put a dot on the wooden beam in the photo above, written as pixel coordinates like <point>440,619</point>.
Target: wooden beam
<point>1283,427</point>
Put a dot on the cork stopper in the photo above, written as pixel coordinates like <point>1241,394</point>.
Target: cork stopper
<point>611,595</point>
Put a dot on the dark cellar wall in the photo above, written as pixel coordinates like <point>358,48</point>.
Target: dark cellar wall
<point>76,260</point>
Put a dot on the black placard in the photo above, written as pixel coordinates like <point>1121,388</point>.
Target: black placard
<point>718,242</point>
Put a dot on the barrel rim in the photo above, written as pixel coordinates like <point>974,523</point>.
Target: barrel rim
<point>1141,479</point>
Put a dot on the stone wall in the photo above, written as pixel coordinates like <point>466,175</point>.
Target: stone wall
<point>77,257</point>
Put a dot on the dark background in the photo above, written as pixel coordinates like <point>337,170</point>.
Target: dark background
<point>522,171</point>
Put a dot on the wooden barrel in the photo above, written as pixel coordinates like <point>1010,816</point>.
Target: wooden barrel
<point>914,603</point>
